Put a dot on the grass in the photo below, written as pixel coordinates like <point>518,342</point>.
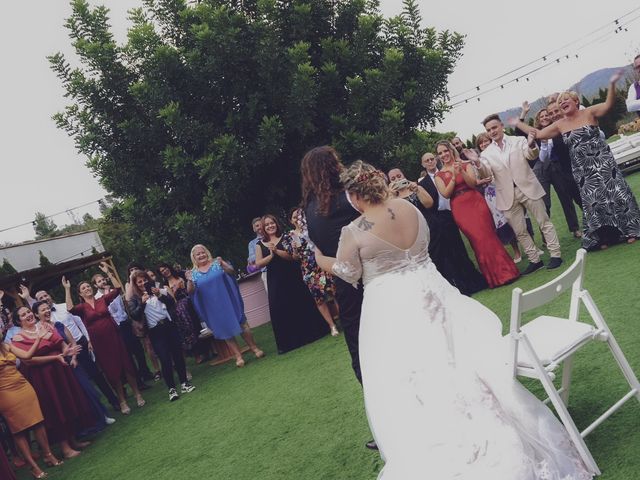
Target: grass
<point>301,415</point>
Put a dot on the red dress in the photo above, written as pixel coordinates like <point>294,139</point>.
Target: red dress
<point>473,217</point>
<point>111,354</point>
<point>64,405</point>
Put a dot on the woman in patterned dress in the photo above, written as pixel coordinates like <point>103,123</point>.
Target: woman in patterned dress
<point>319,283</point>
<point>610,210</point>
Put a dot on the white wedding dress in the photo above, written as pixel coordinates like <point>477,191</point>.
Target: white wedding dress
<point>439,394</point>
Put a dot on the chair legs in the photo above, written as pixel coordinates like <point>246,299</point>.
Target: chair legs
<point>616,351</point>
<point>567,368</point>
<point>561,409</point>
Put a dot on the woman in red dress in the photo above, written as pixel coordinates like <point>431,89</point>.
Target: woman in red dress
<point>111,353</point>
<point>64,405</point>
<point>457,181</point>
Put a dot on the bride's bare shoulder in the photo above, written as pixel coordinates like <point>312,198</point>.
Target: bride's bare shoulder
<point>400,205</point>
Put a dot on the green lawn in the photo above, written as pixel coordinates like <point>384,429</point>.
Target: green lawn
<point>301,415</point>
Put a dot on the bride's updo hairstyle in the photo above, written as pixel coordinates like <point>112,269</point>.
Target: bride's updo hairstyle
<point>366,181</point>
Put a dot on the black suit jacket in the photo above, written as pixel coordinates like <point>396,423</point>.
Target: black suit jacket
<point>324,231</point>
<point>561,153</point>
<point>432,190</point>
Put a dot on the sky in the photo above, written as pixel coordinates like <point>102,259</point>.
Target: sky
<point>41,171</point>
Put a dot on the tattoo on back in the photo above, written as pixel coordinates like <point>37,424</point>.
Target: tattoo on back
<point>393,215</point>
<point>365,224</point>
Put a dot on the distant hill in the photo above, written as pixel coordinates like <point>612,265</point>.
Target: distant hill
<point>588,87</point>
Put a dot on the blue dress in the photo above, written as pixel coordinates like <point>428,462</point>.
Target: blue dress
<point>218,301</point>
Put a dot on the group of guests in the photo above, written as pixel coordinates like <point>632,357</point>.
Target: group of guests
<point>301,296</point>
<point>489,192</point>
<point>58,362</point>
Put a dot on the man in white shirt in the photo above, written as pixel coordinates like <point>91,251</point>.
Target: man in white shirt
<point>633,98</point>
<point>516,187</point>
<point>86,358</point>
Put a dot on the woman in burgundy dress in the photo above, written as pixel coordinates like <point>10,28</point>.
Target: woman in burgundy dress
<point>111,353</point>
<point>64,405</point>
<point>457,181</point>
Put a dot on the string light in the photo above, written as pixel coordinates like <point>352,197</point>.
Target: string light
<point>546,65</point>
<point>544,57</point>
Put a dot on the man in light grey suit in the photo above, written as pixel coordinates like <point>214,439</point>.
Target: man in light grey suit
<point>517,187</point>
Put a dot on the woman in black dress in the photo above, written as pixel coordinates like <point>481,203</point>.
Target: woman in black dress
<point>294,317</point>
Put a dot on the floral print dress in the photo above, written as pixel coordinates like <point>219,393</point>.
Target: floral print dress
<point>320,283</point>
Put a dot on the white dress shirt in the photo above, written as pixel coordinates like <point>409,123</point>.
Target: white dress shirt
<point>633,103</point>
<point>443,203</point>
<point>60,314</point>
<point>116,308</point>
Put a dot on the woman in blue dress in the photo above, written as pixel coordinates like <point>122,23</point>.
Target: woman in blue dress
<point>217,300</point>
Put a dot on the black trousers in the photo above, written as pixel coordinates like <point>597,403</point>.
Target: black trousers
<point>166,343</point>
<point>551,173</point>
<point>135,349</point>
<point>91,369</point>
<point>350,304</point>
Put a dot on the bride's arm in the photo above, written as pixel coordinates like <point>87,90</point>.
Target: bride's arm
<point>347,265</point>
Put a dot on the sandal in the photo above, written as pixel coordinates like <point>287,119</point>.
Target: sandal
<point>39,475</point>
<point>124,408</point>
<point>52,461</point>
<point>258,353</point>
<point>239,362</point>
<point>140,401</point>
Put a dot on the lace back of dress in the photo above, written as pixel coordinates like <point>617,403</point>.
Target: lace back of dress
<point>381,257</point>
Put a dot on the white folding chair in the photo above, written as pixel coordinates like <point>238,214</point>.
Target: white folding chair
<point>546,342</point>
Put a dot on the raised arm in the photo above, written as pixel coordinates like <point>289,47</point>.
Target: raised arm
<point>601,109</point>
<point>226,266</point>
<point>544,134</point>
<point>67,293</point>
<point>25,294</point>
<point>106,269</point>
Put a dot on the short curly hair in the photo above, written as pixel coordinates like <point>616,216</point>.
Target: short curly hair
<point>366,181</point>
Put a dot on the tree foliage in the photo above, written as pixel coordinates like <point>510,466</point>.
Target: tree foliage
<point>199,121</point>
<point>44,227</point>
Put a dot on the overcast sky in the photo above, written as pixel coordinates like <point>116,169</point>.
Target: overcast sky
<point>42,172</point>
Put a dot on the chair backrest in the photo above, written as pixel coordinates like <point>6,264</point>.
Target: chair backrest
<point>522,302</point>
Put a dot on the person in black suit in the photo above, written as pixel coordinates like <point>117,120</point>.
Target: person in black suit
<point>446,247</point>
<point>327,209</point>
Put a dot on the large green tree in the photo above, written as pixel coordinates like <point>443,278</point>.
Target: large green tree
<point>199,121</point>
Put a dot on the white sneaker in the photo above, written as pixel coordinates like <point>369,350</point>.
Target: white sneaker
<point>173,395</point>
<point>186,387</point>
<point>109,420</point>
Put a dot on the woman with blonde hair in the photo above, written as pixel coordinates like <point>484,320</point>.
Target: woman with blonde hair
<point>442,402</point>
<point>457,181</point>
<point>217,299</point>
<point>610,210</point>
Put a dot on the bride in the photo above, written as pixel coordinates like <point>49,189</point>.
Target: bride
<point>440,397</point>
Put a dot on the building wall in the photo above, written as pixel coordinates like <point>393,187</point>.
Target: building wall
<point>60,249</point>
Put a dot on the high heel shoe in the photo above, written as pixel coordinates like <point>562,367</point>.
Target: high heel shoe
<point>239,362</point>
<point>52,461</point>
